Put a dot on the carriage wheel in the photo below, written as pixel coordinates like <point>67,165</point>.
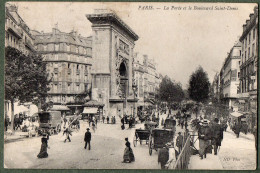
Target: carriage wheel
<point>150,148</point>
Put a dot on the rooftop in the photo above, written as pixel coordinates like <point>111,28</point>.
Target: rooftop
<point>103,16</point>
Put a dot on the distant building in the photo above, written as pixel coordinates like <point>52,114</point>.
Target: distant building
<point>69,62</point>
<point>229,77</point>
<point>147,80</point>
<point>249,63</point>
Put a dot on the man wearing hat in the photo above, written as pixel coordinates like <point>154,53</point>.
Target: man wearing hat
<point>179,142</point>
<point>87,139</point>
<point>217,135</point>
<point>204,137</point>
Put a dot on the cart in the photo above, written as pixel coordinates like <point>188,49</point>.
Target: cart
<point>158,138</point>
<point>50,121</point>
<point>141,135</point>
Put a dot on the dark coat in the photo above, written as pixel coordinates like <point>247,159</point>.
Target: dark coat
<point>204,133</point>
<point>217,134</point>
<point>163,156</point>
<point>87,137</point>
<point>179,141</point>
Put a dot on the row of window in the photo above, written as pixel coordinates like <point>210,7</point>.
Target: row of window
<point>248,38</point>
<point>69,87</point>
<point>248,53</point>
<point>11,40</point>
<point>248,70</point>
<point>65,47</point>
<point>247,85</point>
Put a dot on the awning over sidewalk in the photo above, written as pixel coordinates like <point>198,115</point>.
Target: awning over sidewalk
<point>236,114</point>
<point>91,110</point>
<point>59,108</point>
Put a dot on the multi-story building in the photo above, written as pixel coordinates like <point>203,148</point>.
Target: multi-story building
<point>17,33</point>
<point>69,61</point>
<point>249,63</point>
<point>139,71</point>
<point>229,76</point>
<point>146,78</point>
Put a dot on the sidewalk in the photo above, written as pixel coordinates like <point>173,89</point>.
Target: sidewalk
<point>211,162</point>
<point>15,137</point>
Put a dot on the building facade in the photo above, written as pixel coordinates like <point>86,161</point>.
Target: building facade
<point>17,35</point>
<point>249,64</point>
<point>112,46</point>
<point>147,80</point>
<point>229,77</point>
<point>69,62</point>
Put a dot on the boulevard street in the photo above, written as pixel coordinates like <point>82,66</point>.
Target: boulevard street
<point>107,148</point>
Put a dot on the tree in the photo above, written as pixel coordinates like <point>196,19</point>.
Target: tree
<point>199,86</point>
<point>26,78</point>
<point>170,91</point>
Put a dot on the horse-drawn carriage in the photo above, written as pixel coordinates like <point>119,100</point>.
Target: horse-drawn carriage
<point>144,134</point>
<point>159,138</point>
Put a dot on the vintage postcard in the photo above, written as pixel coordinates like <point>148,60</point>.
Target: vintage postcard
<point>131,85</point>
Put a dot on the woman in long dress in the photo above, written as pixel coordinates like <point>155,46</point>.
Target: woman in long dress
<point>128,153</point>
<point>43,152</point>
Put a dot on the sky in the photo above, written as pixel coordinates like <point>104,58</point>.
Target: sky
<point>179,40</point>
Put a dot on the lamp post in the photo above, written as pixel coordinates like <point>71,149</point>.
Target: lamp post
<point>134,89</point>
<point>125,92</point>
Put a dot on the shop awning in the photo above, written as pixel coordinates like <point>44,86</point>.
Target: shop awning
<point>59,108</point>
<point>90,110</point>
<point>236,114</point>
<point>94,103</point>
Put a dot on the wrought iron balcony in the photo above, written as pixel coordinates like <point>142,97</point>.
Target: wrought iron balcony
<point>16,31</point>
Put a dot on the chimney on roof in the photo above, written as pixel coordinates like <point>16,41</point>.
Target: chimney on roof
<point>244,27</point>
<point>247,22</point>
<point>12,8</point>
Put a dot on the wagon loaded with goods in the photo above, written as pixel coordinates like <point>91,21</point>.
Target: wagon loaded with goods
<point>50,121</point>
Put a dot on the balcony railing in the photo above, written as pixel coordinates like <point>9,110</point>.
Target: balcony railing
<point>29,44</point>
<point>86,72</point>
<point>77,72</point>
<point>15,31</point>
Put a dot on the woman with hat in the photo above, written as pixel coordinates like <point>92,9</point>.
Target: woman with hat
<point>43,152</point>
<point>128,153</point>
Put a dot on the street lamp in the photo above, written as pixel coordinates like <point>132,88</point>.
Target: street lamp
<point>134,89</point>
<point>125,97</point>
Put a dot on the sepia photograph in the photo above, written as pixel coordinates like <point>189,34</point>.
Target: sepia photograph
<point>130,85</point>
